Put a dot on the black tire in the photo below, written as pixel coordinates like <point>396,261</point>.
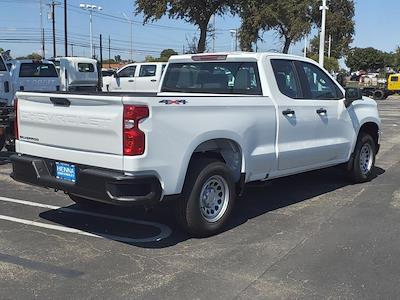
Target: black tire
<point>357,173</point>
<point>189,212</point>
<point>379,95</point>
<point>83,202</point>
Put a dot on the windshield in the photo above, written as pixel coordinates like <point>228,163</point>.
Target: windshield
<point>37,69</point>
<point>213,78</point>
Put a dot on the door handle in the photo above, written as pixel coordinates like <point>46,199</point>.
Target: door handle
<point>289,112</point>
<point>131,80</point>
<point>153,80</point>
<point>322,111</point>
<point>60,102</point>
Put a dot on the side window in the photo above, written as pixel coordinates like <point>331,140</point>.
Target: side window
<point>395,79</point>
<point>147,71</point>
<point>127,72</point>
<point>286,78</point>
<point>317,84</point>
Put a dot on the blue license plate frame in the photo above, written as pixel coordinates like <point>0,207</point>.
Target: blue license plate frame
<point>66,172</point>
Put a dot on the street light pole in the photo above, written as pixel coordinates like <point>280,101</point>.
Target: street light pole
<point>323,8</point>
<point>91,8</point>
<point>131,38</point>
<point>91,33</point>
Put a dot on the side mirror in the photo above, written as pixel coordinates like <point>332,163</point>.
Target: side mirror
<point>352,94</point>
<point>116,75</point>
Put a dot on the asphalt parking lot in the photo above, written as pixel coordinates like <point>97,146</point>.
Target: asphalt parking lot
<point>307,236</point>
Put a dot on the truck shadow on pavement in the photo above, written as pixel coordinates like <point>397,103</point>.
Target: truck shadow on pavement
<point>256,201</point>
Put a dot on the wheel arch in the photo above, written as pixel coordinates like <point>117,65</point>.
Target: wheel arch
<point>226,149</point>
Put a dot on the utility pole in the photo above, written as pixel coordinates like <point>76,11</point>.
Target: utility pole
<point>65,28</point>
<point>330,46</point>
<point>43,45</point>
<point>109,51</point>
<point>52,5</point>
<point>305,45</point>
<point>101,50</point>
<point>323,8</point>
<point>41,29</point>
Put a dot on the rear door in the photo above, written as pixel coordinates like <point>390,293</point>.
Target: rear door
<point>72,128</point>
<point>147,80</point>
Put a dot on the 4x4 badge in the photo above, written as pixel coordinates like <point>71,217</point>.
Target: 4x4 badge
<point>173,102</point>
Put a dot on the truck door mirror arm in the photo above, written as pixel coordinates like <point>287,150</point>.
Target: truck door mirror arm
<point>352,94</point>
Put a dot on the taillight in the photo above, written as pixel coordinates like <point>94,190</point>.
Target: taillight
<point>134,138</point>
<point>16,131</point>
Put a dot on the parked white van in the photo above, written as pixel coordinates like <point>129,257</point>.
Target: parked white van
<point>35,76</point>
<point>77,73</point>
<point>6,91</point>
<point>138,77</point>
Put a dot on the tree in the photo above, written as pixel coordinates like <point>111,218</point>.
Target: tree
<point>365,59</point>
<point>291,19</point>
<point>339,25</point>
<point>34,56</point>
<point>164,56</point>
<point>117,58</point>
<point>330,63</point>
<point>195,12</point>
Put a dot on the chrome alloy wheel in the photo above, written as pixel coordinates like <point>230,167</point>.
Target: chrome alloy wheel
<point>366,159</point>
<point>214,198</point>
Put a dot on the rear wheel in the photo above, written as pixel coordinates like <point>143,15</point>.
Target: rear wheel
<point>209,195</point>
<point>363,164</point>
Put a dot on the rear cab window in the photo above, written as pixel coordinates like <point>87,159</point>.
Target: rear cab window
<point>37,69</point>
<point>394,79</point>
<point>85,67</point>
<point>240,78</point>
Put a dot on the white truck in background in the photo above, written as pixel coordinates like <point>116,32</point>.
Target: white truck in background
<point>218,121</point>
<point>77,73</point>
<point>34,76</point>
<point>137,77</point>
<point>6,89</point>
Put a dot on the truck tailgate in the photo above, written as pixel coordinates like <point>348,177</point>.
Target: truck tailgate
<point>71,128</point>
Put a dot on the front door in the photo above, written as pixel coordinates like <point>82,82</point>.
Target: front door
<point>125,80</point>
<point>335,131</point>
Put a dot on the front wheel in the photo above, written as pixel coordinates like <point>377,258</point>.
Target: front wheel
<point>362,168</point>
<point>209,195</point>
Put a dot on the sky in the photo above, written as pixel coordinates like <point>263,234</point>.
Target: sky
<point>20,29</point>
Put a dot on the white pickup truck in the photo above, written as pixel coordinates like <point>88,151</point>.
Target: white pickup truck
<point>219,121</point>
<point>137,77</point>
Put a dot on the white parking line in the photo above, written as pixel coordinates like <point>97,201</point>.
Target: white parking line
<point>165,231</point>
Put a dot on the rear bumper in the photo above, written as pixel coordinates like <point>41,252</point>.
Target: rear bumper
<point>101,185</point>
